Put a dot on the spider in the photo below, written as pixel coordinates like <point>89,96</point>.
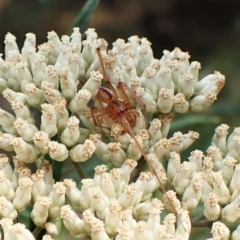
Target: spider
<point>116,104</point>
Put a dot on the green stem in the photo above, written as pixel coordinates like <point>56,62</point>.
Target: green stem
<point>79,170</point>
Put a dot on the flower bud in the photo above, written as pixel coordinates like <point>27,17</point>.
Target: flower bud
<point>5,140</point>
<point>71,134</point>
<point>72,222</point>
<point>82,152</point>
<point>68,86</point>
<point>48,120</point>
<point>41,140</point>
<point>57,151</point>
<point>23,194</point>
<point>212,210</point>
<point>39,212</point>
<point>57,196</point>
<point>219,229</point>
<point>25,151</point>
<point>6,122</point>
<point>25,129</point>
<point>7,209</point>
<point>34,95</point>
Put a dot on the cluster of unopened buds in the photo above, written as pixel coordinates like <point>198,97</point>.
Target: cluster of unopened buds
<point>62,81</point>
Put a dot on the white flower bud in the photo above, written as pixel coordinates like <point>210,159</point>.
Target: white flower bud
<point>196,157</point>
<point>80,101</point>
<point>57,196</point>
<point>71,134</point>
<point>62,114</point>
<point>18,232</point>
<point>165,100</point>
<point>68,85</point>
<point>161,148</point>
<point>52,76</point>
<point>124,138</point>
<point>115,154</point>
<point>183,224</point>
<point>220,188</point>
<point>127,219</point>
<point>233,147</point>
<point>212,210</point>
<point>171,202</point>
<point>164,78</point>
<point>25,151</point>
<point>193,192</point>
<point>82,152</point>
<point>154,219</point>
<point>6,122</point>
<point>98,230</point>
<point>51,228</point>
<point>176,142</point>
<point>40,140</point>
<point>23,193</point>
<point>10,43</point>
<point>112,219</point>
<point>6,188</point>
<point>48,175</point>
<point>141,232</point>
<point>173,165</point>
<point>220,137</point>
<point>7,209</point>
<point>100,202</point>
<point>5,140</point>
<point>24,75</point>
<point>76,37</point>
<point>39,68</point>
<point>30,41</point>
<point>48,120</point>
<point>6,166</point>
<point>155,131</point>
<point>25,129</point>
<point>227,168</point>
<point>186,85</point>
<point>50,93</point>
<point>231,213</point>
<point>106,185</point>
<point>182,177</point>
<point>169,223</point>
<point>39,186</point>
<point>215,154</point>
<point>188,139</point>
<point>39,212</point>
<point>180,104</point>
<point>128,197</point>
<point>88,53</point>
<point>34,95</point>
<point>211,83</point>
<point>73,193</point>
<point>57,151</point>
<point>72,222</point>
<point>93,83</point>
<point>201,102</point>
<point>86,194</point>
<point>220,230</point>
<point>147,99</point>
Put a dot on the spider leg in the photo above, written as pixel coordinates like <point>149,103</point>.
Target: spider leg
<point>105,74</point>
<point>121,88</point>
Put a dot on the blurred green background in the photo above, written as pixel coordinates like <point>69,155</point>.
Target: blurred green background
<point>208,29</point>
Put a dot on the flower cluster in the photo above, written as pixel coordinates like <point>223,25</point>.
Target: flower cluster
<point>62,79</point>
